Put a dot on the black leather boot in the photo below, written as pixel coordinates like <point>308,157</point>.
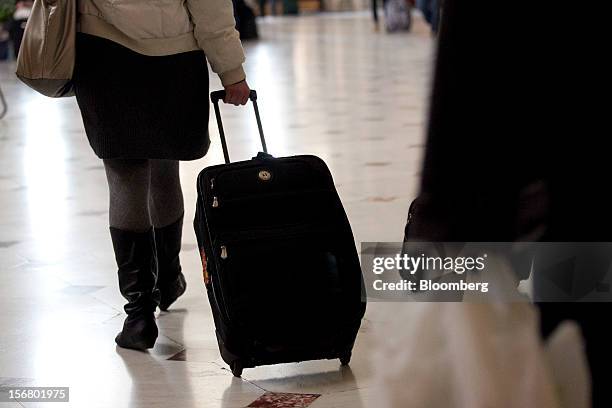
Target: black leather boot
<point>135,255</point>
<point>171,281</point>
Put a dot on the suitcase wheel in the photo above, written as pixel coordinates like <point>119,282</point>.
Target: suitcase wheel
<point>236,367</point>
<point>345,359</point>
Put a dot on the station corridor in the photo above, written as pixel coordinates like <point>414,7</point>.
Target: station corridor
<point>329,85</point>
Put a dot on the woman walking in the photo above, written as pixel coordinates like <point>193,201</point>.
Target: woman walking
<point>141,83</point>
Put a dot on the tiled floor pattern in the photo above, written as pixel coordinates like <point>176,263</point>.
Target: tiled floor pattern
<point>328,85</point>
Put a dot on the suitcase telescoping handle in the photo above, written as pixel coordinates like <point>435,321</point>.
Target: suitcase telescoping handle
<point>217,96</point>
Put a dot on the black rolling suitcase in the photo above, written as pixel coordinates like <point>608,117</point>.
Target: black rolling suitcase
<point>279,259</point>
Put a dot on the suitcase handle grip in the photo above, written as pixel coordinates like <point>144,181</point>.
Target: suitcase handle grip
<point>215,97</point>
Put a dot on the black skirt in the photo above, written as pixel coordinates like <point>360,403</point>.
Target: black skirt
<point>140,107</point>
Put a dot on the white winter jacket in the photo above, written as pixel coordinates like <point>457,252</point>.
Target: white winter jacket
<point>165,27</point>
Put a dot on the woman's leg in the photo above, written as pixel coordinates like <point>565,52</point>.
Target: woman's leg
<point>134,245</point>
<point>128,185</point>
<point>167,209</point>
<point>165,194</point>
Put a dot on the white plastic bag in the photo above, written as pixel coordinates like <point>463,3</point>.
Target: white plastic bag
<point>475,355</point>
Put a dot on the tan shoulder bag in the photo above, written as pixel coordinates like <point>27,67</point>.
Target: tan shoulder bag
<point>46,58</point>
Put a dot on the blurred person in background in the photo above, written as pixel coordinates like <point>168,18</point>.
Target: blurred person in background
<point>431,10</point>
<point>141,83</point>
<point>23,8</point>
<point>516,146</point>
<point>245,19</point>
<point>262,7</point>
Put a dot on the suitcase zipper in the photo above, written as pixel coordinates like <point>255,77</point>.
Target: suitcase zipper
<point>242,200</point>
<point>223,244</point>
<point>215,202</point>
<point>209,242</point>
<point>285,231</point>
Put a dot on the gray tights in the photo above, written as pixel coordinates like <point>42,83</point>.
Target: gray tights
<point>143,193</point>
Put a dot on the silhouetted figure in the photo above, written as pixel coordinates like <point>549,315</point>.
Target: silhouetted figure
<point>516,143</point>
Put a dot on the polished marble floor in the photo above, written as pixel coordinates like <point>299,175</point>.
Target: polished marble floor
<point>328,85</point>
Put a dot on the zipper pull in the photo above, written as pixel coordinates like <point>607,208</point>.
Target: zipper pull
<point>215,203</point>
<point>212,183</point>
<point>223,252</point>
